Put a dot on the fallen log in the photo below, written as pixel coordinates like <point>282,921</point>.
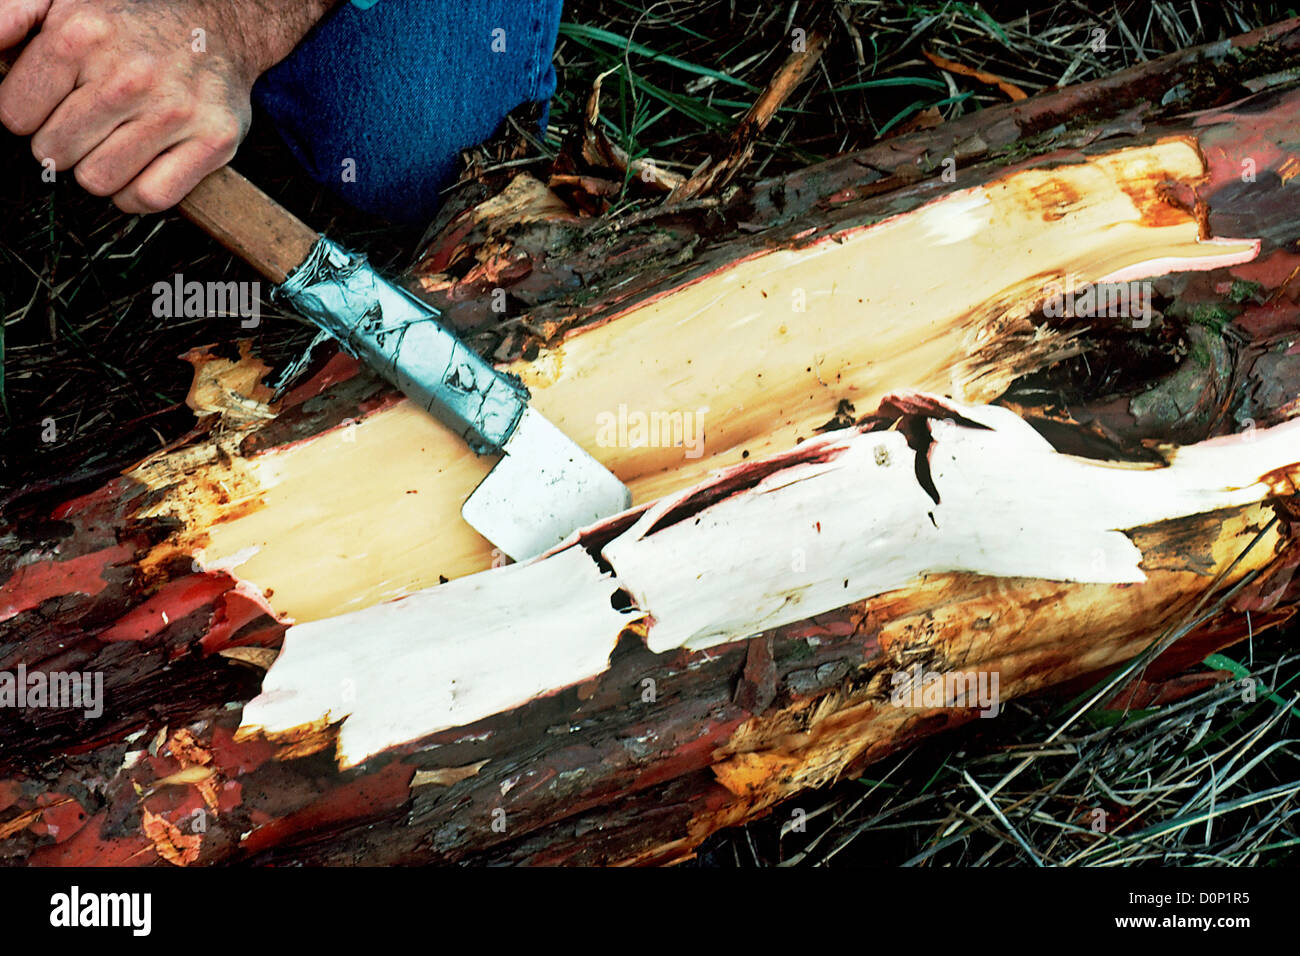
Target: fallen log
<point>766,544</point>
<point>933,448</point>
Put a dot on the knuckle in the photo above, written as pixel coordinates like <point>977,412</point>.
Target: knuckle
<point>151,197</point>
<point>127,204</point>
<point>94,179</point>
<point>132,79</point>
<point>44,147</point>
<point>173,113</point>
<point>223,134</point>
<point>81,33</point>
<point>13,116</point>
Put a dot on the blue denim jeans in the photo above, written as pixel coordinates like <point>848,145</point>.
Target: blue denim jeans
<point>378,101</point>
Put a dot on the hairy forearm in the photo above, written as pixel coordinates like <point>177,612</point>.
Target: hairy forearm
<point>270,29</point>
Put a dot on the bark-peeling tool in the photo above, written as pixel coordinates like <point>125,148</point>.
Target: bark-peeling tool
<point>542,490</point>
<point>544,487</point>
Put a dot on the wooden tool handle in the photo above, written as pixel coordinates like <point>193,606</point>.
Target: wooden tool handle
<point>249,223</point>
<point>240,216</point>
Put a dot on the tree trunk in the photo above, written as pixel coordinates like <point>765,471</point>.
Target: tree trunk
<point>1012,399</point>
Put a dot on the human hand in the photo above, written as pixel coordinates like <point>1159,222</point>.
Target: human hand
<point>142,100</point>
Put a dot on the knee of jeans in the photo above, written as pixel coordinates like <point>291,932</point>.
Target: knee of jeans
<point>381,171</point>
<point>385,133</point>
<point>399,179</point>
<point>396,189</point>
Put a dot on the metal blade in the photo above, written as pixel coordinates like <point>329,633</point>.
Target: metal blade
<point>544,488</point>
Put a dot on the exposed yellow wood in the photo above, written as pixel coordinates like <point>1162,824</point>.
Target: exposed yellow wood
<point>933,299</point>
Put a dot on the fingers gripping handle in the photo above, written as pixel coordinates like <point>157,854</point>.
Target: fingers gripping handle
<point>377,322</point>
<point>237,214</point>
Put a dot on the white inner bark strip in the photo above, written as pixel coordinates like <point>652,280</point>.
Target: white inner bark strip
<point>932,298</point>
<point>840,518</point>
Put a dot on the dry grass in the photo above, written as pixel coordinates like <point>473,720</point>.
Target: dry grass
<point>1206,780</point>
<point>684,70</point>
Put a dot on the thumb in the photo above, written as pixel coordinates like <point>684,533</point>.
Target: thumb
<point>18,17</point>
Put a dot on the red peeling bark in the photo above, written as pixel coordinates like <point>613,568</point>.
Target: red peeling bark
<point>32,585</point>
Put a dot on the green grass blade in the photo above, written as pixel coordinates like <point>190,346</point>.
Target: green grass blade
<point>918,105</point>
<point>978,14</point>
<point>927,81</point>
<point>1221,662</point>
<point>578,31</point>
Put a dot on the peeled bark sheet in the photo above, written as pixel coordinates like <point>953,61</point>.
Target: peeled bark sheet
<point>892,449</point>
<point>838,520</point>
